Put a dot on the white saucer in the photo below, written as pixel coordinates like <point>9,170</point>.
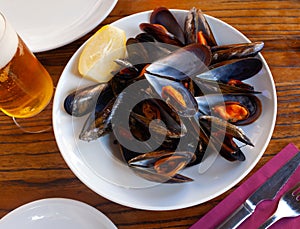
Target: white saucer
<point>56,213</point>
<point>45,25</point>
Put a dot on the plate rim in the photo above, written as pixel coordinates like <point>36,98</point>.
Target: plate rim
<point>52,201</point>
<point>78,30</point>
<point>217,193</point>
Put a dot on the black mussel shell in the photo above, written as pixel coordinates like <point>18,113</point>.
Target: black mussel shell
<point>150,50</point>
<point>97,124</point>
<point>145,37</point>
<point>226,145</point>
<point>163,16</point>
<point>160,34</point>
<point>142,165</point>
<point>83,101</point>
<point>251,103</point>
<point>240,69</point>
<point>234,51</point>
<point>183,63</point>
<point>136,52</point>
<point>174,94</point>
<point>195,22</point>
<point>163,120</point>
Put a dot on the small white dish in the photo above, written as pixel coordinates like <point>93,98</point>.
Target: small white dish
<point>58,213</point>
<point>45,25</point>
<point>96,164</point>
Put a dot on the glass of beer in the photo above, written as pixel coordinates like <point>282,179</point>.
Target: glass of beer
<point>26,88</point>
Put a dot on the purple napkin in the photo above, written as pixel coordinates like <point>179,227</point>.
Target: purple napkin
<point>265,209</point>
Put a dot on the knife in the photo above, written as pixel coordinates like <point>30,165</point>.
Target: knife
<point>267,191</point>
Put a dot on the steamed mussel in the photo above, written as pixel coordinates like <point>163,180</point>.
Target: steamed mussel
<point>197,29</point>
<point>193,94</point>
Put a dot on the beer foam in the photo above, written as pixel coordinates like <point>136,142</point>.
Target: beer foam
<point>8,42</point>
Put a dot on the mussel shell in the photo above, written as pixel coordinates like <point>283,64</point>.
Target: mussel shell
<point>234,51</point>
<point>165,165</point>
<point>226,145</point>
<point>145,37</point>
<point>83,101</point>
<point>231,151</point>
<point>163,16</point>
<point>126,77</point>
<point>195,22</point>
<point>148,49</point>
<point>151,175</point>
<point>136,52</point>
<point>149,159</point>
<point>240,69</point>
<point>183,63</point>
<point>97,124</point>
<point>163,120</point>
<point>142,165</point>
<point>160,34</point>
<point>183,102</point>
<point>100,123</point>
<point>258,45</point>
<point>251,102</point>
<point>229,129</point>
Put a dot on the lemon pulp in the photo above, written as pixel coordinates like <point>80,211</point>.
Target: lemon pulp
<point>96,62</point>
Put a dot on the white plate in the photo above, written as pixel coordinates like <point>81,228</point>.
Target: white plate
<point>56,213</point>
<point>45,25</point>
<point>96,165</point>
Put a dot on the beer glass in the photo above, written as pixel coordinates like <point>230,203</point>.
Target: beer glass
<point>26,87</point>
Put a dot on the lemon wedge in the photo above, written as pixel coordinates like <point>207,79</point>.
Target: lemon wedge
<point>96,62</point>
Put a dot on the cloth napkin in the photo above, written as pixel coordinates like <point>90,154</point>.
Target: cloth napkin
<point>266,208</point>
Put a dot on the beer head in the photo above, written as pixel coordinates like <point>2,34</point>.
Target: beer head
<point>8,42</point>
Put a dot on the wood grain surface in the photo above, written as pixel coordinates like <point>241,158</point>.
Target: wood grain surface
<point>31,166</point>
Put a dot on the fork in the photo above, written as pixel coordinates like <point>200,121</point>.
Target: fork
<point>288,206</point>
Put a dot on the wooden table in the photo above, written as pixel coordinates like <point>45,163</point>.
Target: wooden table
<point>31,166</point>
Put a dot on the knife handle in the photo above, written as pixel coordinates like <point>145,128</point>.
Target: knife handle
<point>237,217</point>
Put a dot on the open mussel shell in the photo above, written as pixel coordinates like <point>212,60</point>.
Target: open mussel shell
<point>228,128</point>
<point>161,34</point>
<point>163,161</point>
<point>162,166</point>
<point>183,63</point>
<point>195,22</point>
<point>231,151</point>
<point>151,175</point>
<point>233,51</point>
<point>240,109</point>
<point>221,135</point>
<point>164,17</point>
<point>174,94</point>
<point>159,117</point>
<point>240,69</point>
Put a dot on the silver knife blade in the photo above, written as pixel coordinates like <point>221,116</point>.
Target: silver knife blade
<point>267,191</point>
